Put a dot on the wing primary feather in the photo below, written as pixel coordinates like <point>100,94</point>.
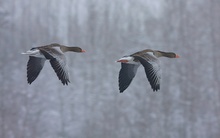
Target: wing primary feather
<point>152,71</point>
<point>34,67</point>
<point>60,71</point>
<point>126,75</point>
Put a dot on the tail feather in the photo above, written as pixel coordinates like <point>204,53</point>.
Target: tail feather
<point>31,52</point>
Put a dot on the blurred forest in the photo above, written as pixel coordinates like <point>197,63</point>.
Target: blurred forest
<point>187,106</point>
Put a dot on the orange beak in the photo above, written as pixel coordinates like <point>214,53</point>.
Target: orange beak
<point>177,56</point>
<point>83,51</point>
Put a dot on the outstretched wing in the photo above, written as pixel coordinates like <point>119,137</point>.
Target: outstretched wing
<point>126,75</point>
<point>34,66</point>
<point>58,62</point>
<point>152,70</point>
<point>59,67</point>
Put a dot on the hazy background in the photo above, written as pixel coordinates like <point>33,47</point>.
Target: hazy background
<point>187,106</point>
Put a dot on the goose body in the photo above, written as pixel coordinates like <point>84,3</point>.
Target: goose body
<point>149,59</point>
<point>55,54</point>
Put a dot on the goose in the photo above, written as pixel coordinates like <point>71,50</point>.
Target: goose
<point>55,54</point>
<point>149,59</point>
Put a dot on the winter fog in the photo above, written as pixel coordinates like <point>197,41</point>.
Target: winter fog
<point>186,106</point>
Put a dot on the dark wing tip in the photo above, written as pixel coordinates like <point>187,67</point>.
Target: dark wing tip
<point>121,89</point>
<point>126,75</point>
<point>156,88</point>
<point>31,76</point>
<point>61,74</point>
<point>153,82</point>
<point>123,82</point>
<point>151,73</point>
<point>29,80</point>
<point>65,82</point>
<point>34,67</point>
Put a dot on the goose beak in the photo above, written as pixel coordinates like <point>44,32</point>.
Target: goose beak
<point>177,56</point>
<point>83,51</point>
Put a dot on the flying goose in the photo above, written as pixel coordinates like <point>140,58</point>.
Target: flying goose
<point>55,54</point>
<point>149,59</point>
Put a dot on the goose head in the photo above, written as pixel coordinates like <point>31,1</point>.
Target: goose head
<point>76,49</point>
<point>72,49</point>
<point>165,54</point>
